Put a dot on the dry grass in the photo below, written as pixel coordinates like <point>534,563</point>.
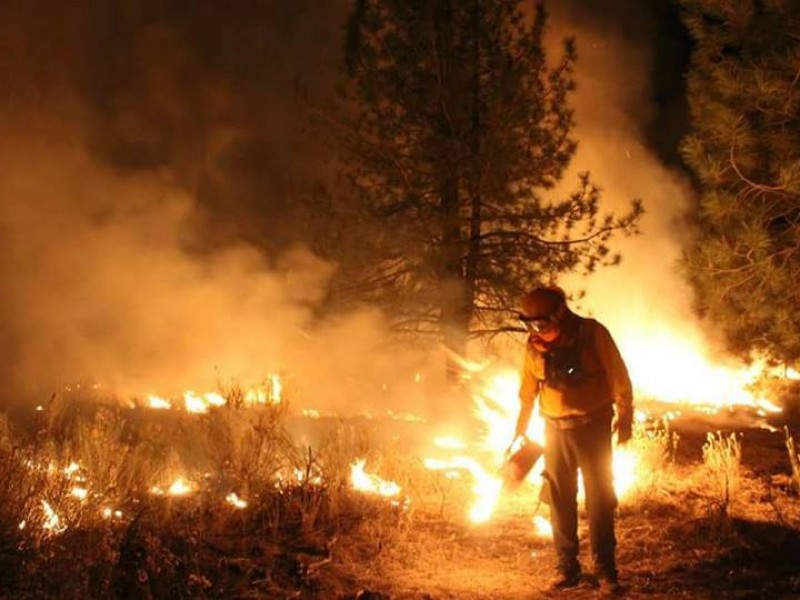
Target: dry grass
<point>722,458</point>
<point>704,528</point>
<point>794,459</point>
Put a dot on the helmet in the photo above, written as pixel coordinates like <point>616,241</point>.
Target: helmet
<point>542,302</point>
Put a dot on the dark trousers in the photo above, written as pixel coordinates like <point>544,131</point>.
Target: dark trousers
<point>586,446</point>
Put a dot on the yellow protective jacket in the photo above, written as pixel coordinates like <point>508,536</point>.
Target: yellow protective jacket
<point>602,375</point>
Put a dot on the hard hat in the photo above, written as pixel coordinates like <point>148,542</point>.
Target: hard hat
<point>542,302</point>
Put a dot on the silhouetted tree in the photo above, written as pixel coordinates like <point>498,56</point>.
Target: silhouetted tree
<point>457,126</point>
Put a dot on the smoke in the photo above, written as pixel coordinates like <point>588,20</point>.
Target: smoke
<point>103,285</point>
<point>119,142</point>
<point>152,154</point>
<point>630,113</point>
<point>620,132</point>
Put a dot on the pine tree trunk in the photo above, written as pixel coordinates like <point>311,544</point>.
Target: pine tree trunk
<point>453,314</point>
<point>453,319</point>
<point>476,175</point>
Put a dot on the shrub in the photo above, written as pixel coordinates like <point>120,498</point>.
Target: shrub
<point>722,460</point>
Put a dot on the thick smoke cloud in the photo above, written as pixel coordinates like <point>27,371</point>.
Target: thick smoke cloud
<point>631,54</point>
<point>616,107</point>
<point>136,145</point>
<point>103,285</point>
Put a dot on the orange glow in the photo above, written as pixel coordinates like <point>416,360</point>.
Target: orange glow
<point>52,521</point>
<point>79,493</point>
<point>235,501</point>
<point>179,488</point>
<point>371,484</point>
<point>496,406</point>
<point>201,403</point>
<point>486,487</point>
<point>542,527</point>
<point>158,403</point>
<point>449,443</point>
<point>667,367</point>
<point>109,513</point>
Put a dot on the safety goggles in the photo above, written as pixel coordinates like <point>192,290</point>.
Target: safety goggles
<point>541,325</point>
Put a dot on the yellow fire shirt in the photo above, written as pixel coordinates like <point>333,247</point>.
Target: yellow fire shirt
<point>600,376</point>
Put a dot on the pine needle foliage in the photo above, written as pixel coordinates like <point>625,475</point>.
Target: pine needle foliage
<point>459,126</point>
<point>744,149</point>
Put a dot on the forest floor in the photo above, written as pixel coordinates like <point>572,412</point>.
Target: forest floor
<point>715,523</point>
<point>678,541</point>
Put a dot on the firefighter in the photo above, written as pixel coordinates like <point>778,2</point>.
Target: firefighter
<point>574,368</point>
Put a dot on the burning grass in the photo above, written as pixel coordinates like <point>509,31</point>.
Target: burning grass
<point>103,501</point>
<point>100,500</point>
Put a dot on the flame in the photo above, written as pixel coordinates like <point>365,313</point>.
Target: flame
<point>486,486</point>
<point>372,484</point>
<point>235,501</point>
<point>542,527</point>
<point>496,405</point>
<point>449,443</point>
<point>179,488</point>
<point>276,395</point>
<point>273,395</point>
<point>79,493</point>
<point>52,521</point>
<point>669,367</point>
<point>626,470</point>
<point>158,403</point>
<point>254,396</point>
<point>311,476</point>
<point>405,416</point>
<point>201,403</point>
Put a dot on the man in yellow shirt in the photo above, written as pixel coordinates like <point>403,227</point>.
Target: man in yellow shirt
<point>574,368</point>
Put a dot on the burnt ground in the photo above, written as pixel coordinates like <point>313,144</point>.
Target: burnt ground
<point>677,540</point>
<point>679,536</point>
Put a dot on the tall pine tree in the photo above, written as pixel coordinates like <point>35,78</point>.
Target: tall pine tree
<point>744,148</point>
<point>458,125</point>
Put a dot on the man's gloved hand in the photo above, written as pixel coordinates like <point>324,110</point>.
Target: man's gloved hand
<point>623,426</point>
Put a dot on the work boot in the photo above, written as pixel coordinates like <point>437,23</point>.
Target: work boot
<point>566,580</point>
<point>610,588</point>
<point>609,585</point>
